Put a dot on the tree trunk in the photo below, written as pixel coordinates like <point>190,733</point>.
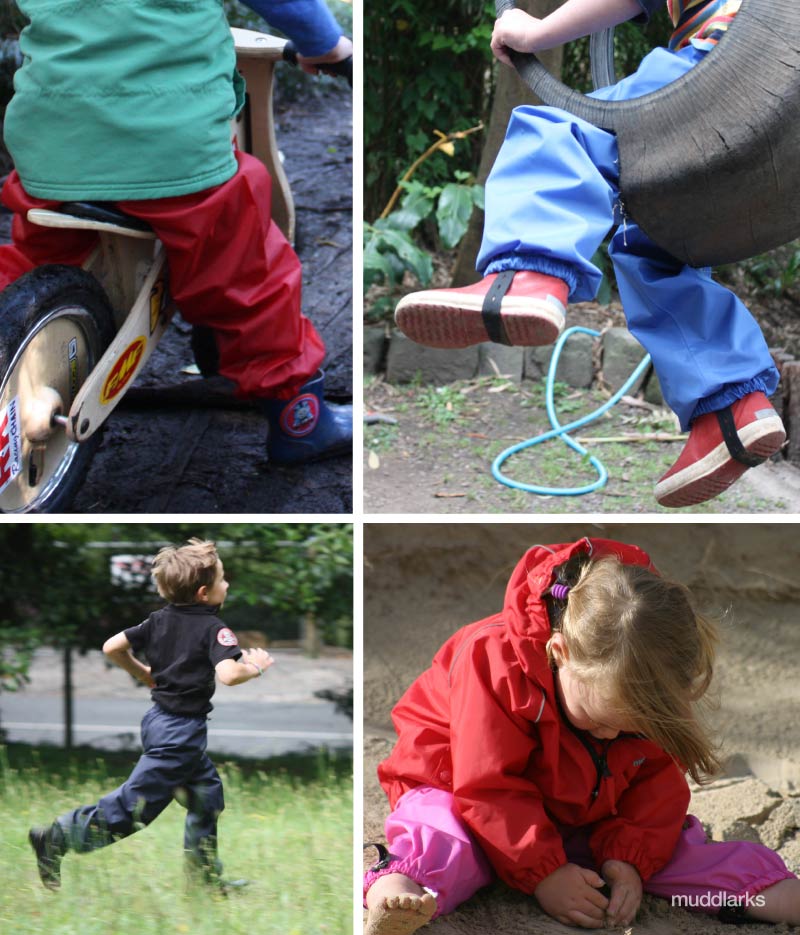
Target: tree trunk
<point>311,636</point>
<point>510,92</point>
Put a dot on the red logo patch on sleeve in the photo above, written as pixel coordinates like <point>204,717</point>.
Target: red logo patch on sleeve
<point>226,637</point>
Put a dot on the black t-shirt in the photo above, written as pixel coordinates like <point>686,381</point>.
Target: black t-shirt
<point>183,643</point>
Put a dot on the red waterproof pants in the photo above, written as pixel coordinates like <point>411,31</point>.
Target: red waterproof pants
<point>231,269</point>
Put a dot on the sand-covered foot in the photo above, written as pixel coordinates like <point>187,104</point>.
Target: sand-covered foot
<point>400,915</point>
<point>397,906</point>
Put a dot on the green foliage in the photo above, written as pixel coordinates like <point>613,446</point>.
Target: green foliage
<point>442,404</point>
<point>287,831</point>
<point>776,273</point>
<point>17,651</point>
<point>56,587</point>
<point>428,63</point>
<point>631,43</point>
<point>390,251</point>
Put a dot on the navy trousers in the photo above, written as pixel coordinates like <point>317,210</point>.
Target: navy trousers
<point>174,765</point>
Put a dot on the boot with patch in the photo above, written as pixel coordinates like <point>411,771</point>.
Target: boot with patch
<point>306,428</point>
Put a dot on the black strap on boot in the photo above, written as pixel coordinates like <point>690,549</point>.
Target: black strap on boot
<point>384,856</point>
<point>490,312</point>
<point>731,438</point>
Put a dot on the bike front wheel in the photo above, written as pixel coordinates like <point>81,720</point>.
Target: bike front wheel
<point>55,324</point>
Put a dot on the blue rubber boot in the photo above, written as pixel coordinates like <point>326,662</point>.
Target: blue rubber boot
<point>306,428</point>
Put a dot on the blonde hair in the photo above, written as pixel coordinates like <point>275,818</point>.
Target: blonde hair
<point>637,638</point>
<point>179,571</point>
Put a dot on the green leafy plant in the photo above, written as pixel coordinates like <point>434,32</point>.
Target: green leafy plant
<point>389,248</point>
<point>428,64</point>
<point>776,273</point>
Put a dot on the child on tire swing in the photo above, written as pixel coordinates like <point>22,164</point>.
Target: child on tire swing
<point>551,197</point>
<point>547,745</point>
<point>130,101</point>
<point>186,646</point>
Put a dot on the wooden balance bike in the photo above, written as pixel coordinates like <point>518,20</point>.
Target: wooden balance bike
<point>74,339</point>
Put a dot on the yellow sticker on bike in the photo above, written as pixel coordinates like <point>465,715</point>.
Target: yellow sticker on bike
<point>123,370</point>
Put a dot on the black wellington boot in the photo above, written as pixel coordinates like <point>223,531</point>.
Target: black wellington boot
<point>49,845</point>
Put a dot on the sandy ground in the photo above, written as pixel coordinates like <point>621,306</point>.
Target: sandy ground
<point>457,574</point>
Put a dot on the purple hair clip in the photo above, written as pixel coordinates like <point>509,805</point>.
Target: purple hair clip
<point>560,591</point>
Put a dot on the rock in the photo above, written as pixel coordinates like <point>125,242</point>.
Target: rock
<point>790,852</point>
<point>652,390</point>
<point>621,355</point>
<point>781,824</point>
<point>575,365</point>
<point>508,361</point>
<point>537,361</point>
<point>741,831</point>
<point>374,348</point>
<point>724,804</point>
<point>408,361</point>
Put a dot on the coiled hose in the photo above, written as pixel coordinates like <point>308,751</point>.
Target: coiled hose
<point>560,431</point>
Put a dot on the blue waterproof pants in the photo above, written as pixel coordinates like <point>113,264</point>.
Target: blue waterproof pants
<point>174,764</point>
<point>552,197</point>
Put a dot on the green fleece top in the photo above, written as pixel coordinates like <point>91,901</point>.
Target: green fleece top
<point>123,99</point>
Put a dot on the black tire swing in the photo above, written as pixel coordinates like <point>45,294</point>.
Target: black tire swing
<point>710,164</point>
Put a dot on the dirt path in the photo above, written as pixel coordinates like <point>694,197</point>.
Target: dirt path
<point>179,444</point>
<point>457,573</point>
<point>437,456</point>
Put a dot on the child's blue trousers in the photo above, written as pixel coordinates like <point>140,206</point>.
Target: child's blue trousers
<point>552,197</point>
<point>174,764</point>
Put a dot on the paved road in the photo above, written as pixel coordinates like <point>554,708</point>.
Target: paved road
<point>254,729</point>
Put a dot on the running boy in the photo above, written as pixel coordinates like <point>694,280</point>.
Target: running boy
<point>130,101</point>
<point>185,644</point>
<point>552,196</point>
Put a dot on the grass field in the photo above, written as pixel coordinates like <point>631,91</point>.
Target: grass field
<point>287,827</point>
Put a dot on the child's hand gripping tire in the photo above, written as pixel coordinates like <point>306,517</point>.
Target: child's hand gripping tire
<point>55,324</point>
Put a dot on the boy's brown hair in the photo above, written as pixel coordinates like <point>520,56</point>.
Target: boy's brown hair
<point>179,571</point>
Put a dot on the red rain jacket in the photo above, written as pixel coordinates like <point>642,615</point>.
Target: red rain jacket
<point>484,723</point>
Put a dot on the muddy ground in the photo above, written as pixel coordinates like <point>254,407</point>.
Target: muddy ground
<point>436,456</point>
<point>178,444</point>
<point>457,574</point>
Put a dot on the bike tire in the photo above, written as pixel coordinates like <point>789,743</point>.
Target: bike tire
<point>55,323</point>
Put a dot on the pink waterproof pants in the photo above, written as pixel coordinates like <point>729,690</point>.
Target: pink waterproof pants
<point>433,847</point>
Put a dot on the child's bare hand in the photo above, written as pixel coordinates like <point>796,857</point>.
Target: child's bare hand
<point>626,891</point>
<point>516,30</point>
<point>260,657</point>
<point>570,895</point>
<point>341,50</point>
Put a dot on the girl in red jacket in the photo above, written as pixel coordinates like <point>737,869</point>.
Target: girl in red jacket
<point>547,745</point>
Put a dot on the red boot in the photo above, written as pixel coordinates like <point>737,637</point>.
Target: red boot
<point>516,307</point>
<point>721,447</point>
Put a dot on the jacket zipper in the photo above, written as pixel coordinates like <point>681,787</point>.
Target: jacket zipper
<point>600,760</point>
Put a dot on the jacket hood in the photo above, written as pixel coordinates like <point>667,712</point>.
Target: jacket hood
<point>525,612</point>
